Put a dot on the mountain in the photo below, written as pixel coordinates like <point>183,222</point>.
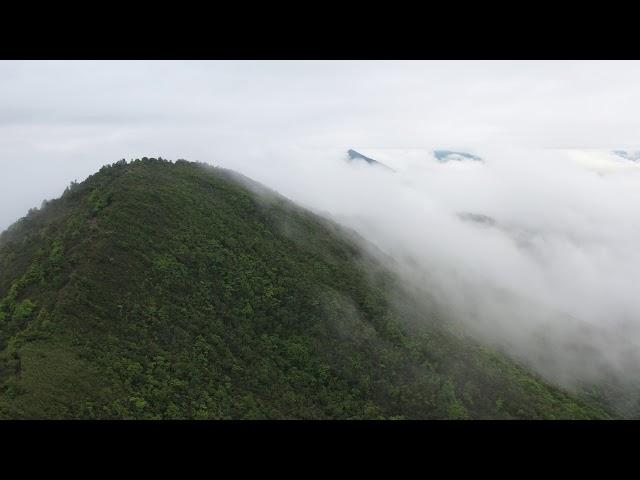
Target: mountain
<point>353,155</point>
<point>157,290</point>
<point>448,155</point>
<point>633,156</point>
<point>477,218</point>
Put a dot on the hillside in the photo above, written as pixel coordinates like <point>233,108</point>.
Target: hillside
<point>176,290</point>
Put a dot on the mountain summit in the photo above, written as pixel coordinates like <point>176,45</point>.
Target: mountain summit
<point>449,155</point>
<point>353,155</point>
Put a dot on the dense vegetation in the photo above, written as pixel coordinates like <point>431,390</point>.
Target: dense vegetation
<point>176,290</point>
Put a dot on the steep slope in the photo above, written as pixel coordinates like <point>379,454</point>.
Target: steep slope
<point>176,290</point>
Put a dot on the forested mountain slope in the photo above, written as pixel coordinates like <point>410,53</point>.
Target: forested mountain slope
<point>176,290</point>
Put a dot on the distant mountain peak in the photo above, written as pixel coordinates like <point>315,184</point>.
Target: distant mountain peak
<point>478,218</point>
<point>628,155</point>
<point>448,155</point>
<point>353,155</point>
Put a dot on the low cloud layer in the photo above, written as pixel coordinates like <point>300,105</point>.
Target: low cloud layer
<point>534,250</point>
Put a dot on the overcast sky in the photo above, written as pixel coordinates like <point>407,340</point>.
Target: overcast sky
<point>61,121</point>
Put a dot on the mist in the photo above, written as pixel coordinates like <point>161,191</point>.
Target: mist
<point>551,277</point>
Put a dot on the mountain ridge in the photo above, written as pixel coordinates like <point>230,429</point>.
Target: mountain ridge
<point>158,289</point>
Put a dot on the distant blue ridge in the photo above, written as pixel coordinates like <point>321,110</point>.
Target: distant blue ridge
<point>445,155</point>
<point>634,157</point>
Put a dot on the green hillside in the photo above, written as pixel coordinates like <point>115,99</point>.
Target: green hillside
<point>160,290</point>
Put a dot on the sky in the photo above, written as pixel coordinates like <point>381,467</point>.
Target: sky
<point>62,120</point>
<point>560,260</point>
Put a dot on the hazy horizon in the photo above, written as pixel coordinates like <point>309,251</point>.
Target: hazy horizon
<point>62,120</point>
